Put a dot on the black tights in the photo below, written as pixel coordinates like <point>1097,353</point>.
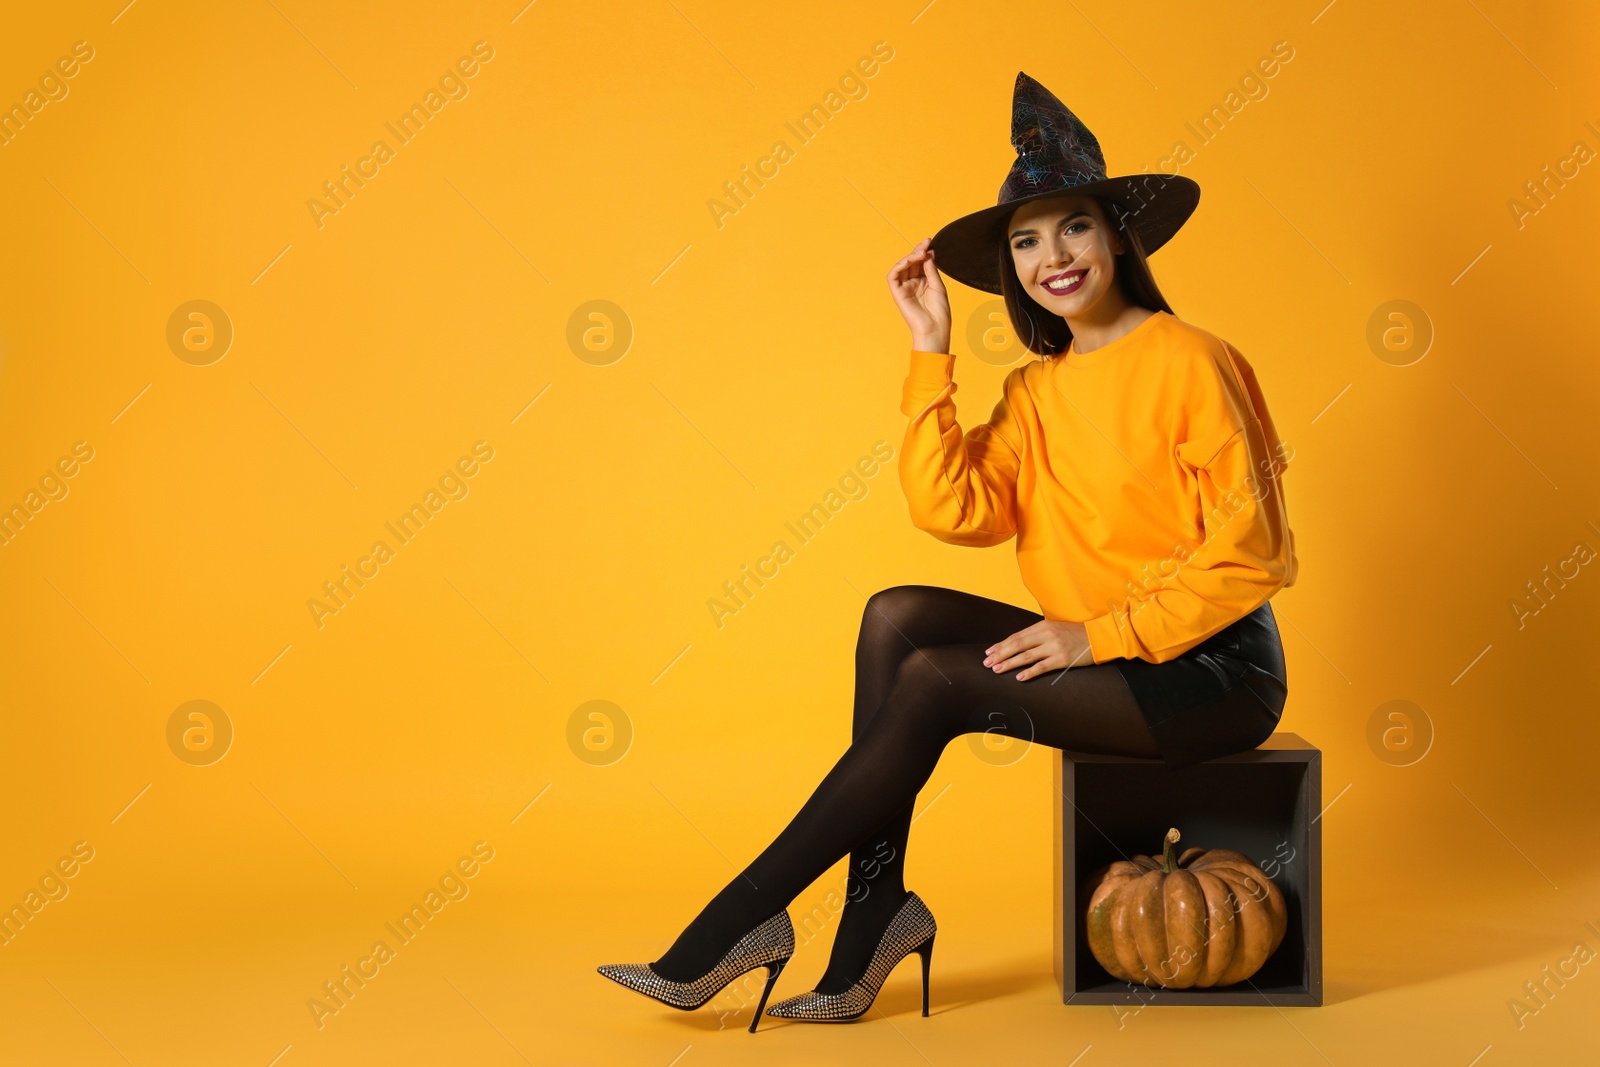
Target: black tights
<point>920,683</point>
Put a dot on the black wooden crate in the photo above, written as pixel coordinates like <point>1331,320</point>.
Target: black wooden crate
<point>1266,803</point>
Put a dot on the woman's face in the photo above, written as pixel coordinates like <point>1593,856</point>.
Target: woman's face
<point>1065,253</point>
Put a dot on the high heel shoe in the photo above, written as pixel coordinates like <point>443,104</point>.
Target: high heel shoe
<point>911,930</point>
<point>769,945</point>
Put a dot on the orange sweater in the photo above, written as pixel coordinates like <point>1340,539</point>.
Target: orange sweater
<point>1142,481</point>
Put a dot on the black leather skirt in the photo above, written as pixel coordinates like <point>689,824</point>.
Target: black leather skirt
<point>1222,696</point>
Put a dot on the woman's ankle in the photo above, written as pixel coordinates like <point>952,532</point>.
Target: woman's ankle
<point>861,926</point>
<point>709,937</point>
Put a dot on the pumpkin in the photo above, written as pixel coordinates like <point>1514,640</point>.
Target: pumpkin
<point>1207,918</point>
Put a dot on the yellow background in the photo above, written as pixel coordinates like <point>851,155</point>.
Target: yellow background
<point>428,313</point>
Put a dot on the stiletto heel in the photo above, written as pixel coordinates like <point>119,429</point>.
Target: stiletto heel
<point>773,970</point>
<point>926,951</point>
<point>911,930</point>
<point>769,945</point>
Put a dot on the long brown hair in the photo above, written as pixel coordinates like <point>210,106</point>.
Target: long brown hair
<point>1043,331</point>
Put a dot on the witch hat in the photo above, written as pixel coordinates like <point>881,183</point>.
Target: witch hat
<point>1057,154</point>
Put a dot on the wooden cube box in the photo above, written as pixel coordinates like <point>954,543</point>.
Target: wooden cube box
<point>1266,803</point>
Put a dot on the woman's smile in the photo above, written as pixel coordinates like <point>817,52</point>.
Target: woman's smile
<point>1065,282</point>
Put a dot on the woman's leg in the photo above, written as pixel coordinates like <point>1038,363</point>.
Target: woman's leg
<point>932,700</point>
<point>895,623</point>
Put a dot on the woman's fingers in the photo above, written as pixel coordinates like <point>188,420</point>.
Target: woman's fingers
<point>916,255</point>
<point>907,292</point>
<point>935,286</point>
<point>1044,666</point>
<point>1025,638</point>
<point>999,650</point>
<point>1040,648</point>
<point>919,294</point>
<point>905,274</point>
<point>1023,658</point>
<point>1019,649</point>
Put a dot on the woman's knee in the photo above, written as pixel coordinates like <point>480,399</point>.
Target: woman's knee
<point>896,615</point>
<point>883,624</point>
<point>891,607</point>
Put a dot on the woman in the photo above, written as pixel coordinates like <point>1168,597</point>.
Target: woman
<point>1137,467</point>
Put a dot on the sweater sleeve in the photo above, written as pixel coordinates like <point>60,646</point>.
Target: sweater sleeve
<point>961,487</point>
<point>1247,554</point>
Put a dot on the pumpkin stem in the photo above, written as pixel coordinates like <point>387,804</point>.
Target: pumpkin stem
<point>1168,863</point>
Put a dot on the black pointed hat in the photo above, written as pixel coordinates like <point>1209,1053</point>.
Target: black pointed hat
<point>1057,154</point>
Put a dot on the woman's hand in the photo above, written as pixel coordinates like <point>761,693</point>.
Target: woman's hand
<point>919,294</point>
<point>1047,645</point>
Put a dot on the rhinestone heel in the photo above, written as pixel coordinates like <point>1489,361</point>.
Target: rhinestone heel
<point>911,930</point>
<point>769,945</point>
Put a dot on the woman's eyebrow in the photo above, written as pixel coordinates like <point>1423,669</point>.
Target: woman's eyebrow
<point>1069,218</point>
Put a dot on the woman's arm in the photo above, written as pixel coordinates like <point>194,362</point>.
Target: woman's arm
<point>961,487</point>
<point>1247,553</point>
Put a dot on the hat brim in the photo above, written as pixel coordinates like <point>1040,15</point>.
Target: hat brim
<point>968,249</point>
